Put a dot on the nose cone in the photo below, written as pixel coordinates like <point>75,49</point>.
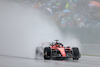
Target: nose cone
<point>62,51</point>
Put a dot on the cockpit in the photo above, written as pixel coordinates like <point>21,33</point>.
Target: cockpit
<point>57,44</point>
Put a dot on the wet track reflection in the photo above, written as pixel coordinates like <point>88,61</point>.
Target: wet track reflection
<point>85,61</point>
<point>22,28</point>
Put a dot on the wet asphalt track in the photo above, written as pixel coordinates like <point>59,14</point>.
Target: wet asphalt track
<point>11,61</point>
<point>85,61</point>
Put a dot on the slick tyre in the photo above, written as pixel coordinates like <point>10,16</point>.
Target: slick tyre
<point>47,53</point>
<point>75,53</point>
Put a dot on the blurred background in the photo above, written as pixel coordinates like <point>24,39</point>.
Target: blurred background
<point>25,24</point>
<point>79,19</point>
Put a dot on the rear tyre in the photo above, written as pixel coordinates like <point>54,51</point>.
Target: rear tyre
<point>75,53</point>
<point>47,53</point>
<point>39,52</point>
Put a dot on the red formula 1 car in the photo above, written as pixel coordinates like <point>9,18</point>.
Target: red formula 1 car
<point>57,50</point>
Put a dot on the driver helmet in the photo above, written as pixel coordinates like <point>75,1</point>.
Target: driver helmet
<point>68,46</point>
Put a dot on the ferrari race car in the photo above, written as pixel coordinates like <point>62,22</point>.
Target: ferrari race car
<point>57,50</point>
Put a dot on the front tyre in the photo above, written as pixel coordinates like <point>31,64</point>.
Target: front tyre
<point>47,53</point>
<point>75,53</point>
